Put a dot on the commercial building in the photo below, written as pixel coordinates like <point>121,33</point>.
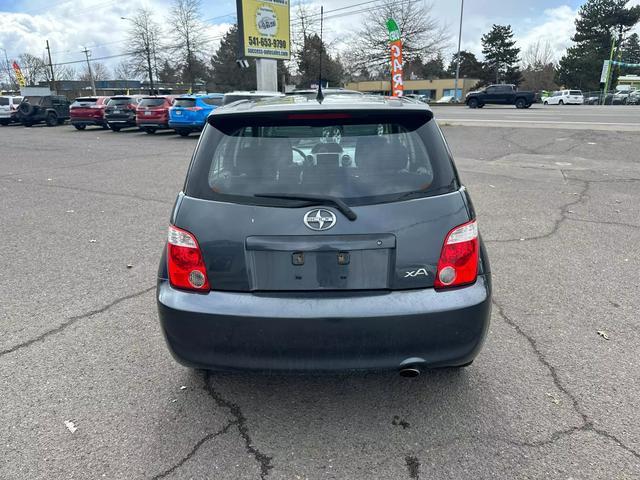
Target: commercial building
<point>434,89</point>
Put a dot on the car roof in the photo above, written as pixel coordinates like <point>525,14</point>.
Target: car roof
<point>255,92</point>
<point>298,103</point>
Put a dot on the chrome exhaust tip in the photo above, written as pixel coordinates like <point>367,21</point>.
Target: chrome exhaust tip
<point>410,372</point>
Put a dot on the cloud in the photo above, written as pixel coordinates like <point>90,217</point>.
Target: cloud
<point>557,28</point>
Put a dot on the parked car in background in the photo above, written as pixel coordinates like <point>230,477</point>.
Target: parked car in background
<point>153,113</point>
<point>248,95</point>
<point>120,111</point>
<point>9,108</point>
<point>86,111</point>
<point>634,98</point>
<point>500,95</point>
<point>324,237</point>
<point>189,112</point>
<point>621,97</point>
<point>565,97</point>
<point>51,109</point>
<point>448,99</point>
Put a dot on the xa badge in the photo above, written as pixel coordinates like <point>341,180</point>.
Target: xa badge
<point>319,219</point>
<point>416,273</point>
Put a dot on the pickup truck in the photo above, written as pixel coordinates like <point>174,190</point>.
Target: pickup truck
<point>500,95</point>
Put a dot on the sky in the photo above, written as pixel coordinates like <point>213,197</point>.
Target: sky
<point>70,25</point>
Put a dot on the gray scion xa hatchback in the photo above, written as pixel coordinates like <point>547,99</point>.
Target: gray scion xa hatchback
<point>323,237</point>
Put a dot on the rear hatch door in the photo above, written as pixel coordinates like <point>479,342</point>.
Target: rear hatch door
<point>394,175</point>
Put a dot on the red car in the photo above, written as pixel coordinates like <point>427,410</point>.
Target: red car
<point>88,111</point>
<point>153,113</point>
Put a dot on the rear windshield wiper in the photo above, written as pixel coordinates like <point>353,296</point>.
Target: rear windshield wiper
<point>315,199</point>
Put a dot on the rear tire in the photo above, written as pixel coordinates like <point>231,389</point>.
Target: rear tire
<point>149,130</point>
<point>52,120</point>
<point>473,103</point>
<point>28,124</point>
<point>114,128</point>
<point>80,127</point>
<point>4,122</point>
<point>521,103</point>
<point>183,132</point>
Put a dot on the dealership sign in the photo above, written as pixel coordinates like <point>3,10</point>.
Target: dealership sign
<point>264,29</point>
<point>604,76</point>
<point>397,82</point>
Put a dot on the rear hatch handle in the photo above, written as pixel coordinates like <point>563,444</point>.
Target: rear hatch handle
<point>315,199</point>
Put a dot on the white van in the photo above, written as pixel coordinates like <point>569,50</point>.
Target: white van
<point>565,97</point>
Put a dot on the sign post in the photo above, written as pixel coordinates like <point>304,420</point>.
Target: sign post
<point>265,34</point>
<point>397,82</point>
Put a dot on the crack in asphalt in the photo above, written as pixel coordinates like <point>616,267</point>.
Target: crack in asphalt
<point>72,320</point>
<point>564,215</point>
<point>194,450</point>
<point>263,460</point>
<point>587,424</point>
<point>413,466</point>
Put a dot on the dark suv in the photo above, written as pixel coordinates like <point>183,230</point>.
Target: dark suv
<point>51,109</point>
<point>324,237</point>
<point>121,111</point>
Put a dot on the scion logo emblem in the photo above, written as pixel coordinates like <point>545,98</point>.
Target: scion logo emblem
<point>319,219</point>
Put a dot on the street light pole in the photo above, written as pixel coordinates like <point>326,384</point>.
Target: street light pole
<point>455,85</point>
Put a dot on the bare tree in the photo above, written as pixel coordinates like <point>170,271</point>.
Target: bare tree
<point>539,70</point>
<point>126,70</point>
<point>190,36</point>
<point>538,53</point>
<point>422,35</point>
<point>33,68</point>
<point>144,37</point>
<point>99,70</point>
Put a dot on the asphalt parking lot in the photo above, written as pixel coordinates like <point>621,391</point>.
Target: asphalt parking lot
<point>553,395</point>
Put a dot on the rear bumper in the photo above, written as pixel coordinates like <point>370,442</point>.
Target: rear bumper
<point>190,125</point>
<point>87,121</point>
<point>152,123</point>
<point>332,332</point>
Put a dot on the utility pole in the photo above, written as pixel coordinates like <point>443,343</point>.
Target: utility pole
<point>93,83</point>
<point>52,85</point>
<point>455,85</point>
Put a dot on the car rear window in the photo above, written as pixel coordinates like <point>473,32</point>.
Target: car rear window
<point>213,101</point>
<point>4,101</point>
<point>184,102</point>
<point>575,92</point>
<point>84,102</point>
<point>119,101</point>
<point>151,102</point>
<point>362,161</point>
<point>230,98</point>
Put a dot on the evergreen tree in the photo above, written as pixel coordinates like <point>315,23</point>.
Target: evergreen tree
<point>470,66</point>
<point>631,52</point>
<point>598,23</point>
<point>501,56</point>
<point>309,62</point>
<point>227,75</point>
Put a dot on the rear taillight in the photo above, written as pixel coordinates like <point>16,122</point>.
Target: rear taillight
<point>458,264</point>
<point>185,263</point>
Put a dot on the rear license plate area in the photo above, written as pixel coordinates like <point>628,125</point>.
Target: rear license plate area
<point>357,262</point>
